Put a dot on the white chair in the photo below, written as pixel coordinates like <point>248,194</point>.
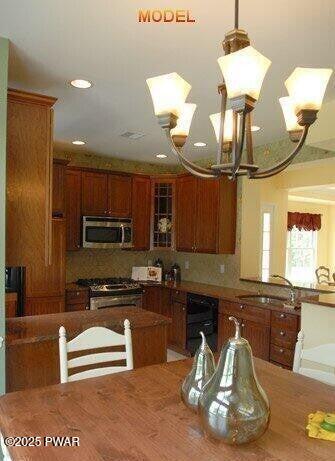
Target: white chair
<point>319,355</point>
<point>94,338</point>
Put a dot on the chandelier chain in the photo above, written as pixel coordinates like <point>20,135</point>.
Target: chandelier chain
<point>236,13</point>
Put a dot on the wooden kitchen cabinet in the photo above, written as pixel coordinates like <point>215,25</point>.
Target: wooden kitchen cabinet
<point>73,209</point>
<point>58,187</point>
<point>206,215</point>
<point>178,326</point>
<point>119,196</point>
<point>28,179</point>
<point>48,305</point>
<point>257,334</point>
<point>152,299</point>
<point>206,229</point>
<point>49,281</point>
<point>76,300</point>
<point>94,193</point>
<point>186,188</point>
<point>141,195</point>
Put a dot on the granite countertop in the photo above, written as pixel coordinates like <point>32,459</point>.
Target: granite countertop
<point>45,327</point>
<point>320,288</point>
<point>215,291</point>
<point>327,300</point>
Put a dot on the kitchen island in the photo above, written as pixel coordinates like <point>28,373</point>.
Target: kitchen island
<point>138,415</point>
<point>32,358</point>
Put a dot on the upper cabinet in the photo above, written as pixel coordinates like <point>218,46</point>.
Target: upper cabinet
<point>28,182</point>
<point>73,208</point>
<point>58,187</point>
<point>162,220</point>
<point>186,205</point>
<point>205,215</point>
<point>94,193</point>
<point>119,196</point>
<point>141,212</point>
<point>105,194</point>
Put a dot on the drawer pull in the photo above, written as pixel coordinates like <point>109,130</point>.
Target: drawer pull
<point>281,351</point>
<point>282,316</point>
<point>241,306</point>
<point>177,292</point>
<point>77,293</point>
<point>282,333</point>
<point>242,325</point>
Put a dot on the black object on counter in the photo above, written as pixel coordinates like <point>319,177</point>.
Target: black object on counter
<point>175,273</point>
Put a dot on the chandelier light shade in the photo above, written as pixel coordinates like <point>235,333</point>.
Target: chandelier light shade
<point>307,87</point>
<point>228,125</point>
<point>244,72</point>
<point>168,92</point>
<point>291,119</point>
<point>184,121</point>
<point>243,69</point>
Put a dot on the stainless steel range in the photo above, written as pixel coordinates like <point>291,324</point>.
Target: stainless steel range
<point>112,292</point>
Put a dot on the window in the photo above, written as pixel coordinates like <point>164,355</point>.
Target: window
<point>266,240</point>
<point>301,255</point>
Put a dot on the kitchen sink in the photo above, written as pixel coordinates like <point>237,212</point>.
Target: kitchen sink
<point>265,299</point>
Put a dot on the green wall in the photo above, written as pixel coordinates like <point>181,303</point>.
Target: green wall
<point>3,120</point>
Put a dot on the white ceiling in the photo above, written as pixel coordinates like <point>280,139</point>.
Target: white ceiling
<point>53,42</point>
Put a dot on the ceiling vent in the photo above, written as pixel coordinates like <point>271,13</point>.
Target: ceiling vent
<point>132,135</point>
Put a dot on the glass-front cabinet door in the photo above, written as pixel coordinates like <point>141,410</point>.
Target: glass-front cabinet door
<point>163,194</point>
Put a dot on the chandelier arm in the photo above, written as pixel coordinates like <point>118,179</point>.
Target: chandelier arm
<point>239,143</point>
<point>282,165</point>
<point>192,167</point>
<point>249,143</point>
<point>222,120</point>
<point>196,173</point>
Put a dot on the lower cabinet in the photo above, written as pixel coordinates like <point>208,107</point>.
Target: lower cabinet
<point>38,306</point>
<point>76,300</point>
<point>178,326</point>
<point>151,299</point>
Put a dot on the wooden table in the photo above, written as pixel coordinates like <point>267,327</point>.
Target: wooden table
<point>32,358</point>
<point>138,416</point>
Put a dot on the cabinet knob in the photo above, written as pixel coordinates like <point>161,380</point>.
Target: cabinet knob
<point>242,325</point>
<point>281,351</point>
<point>77,293</point>
<point>183,308</point>
<point>282,333</point>
<point>241,306</point>
<point>282,316</point>
<point>177,292</point>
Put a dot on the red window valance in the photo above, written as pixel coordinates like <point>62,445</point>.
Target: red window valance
<point>303,221</point>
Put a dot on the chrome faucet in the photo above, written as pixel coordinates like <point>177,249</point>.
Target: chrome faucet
<point>293,294</point>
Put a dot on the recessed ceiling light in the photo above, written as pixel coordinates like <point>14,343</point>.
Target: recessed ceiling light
<point>200,144</point>
<point>77,142</point>
<point>161,155</point>
<point>80,83</point>
<point>255,128</point>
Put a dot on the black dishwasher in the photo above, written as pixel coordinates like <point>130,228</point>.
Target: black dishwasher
<point>202,315</point>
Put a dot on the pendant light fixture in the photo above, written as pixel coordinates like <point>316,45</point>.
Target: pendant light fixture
<point>243,69</point>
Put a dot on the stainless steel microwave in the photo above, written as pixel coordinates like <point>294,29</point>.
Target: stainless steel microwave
<point>105,232</point>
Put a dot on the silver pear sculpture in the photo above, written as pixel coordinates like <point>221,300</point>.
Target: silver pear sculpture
<point>233,407</point>
<point>202,370</point>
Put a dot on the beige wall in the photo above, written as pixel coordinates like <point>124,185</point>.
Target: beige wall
<point>255,195</point>
<point>275,191</point>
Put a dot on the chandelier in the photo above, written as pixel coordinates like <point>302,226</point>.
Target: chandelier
<point>243,69</point>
